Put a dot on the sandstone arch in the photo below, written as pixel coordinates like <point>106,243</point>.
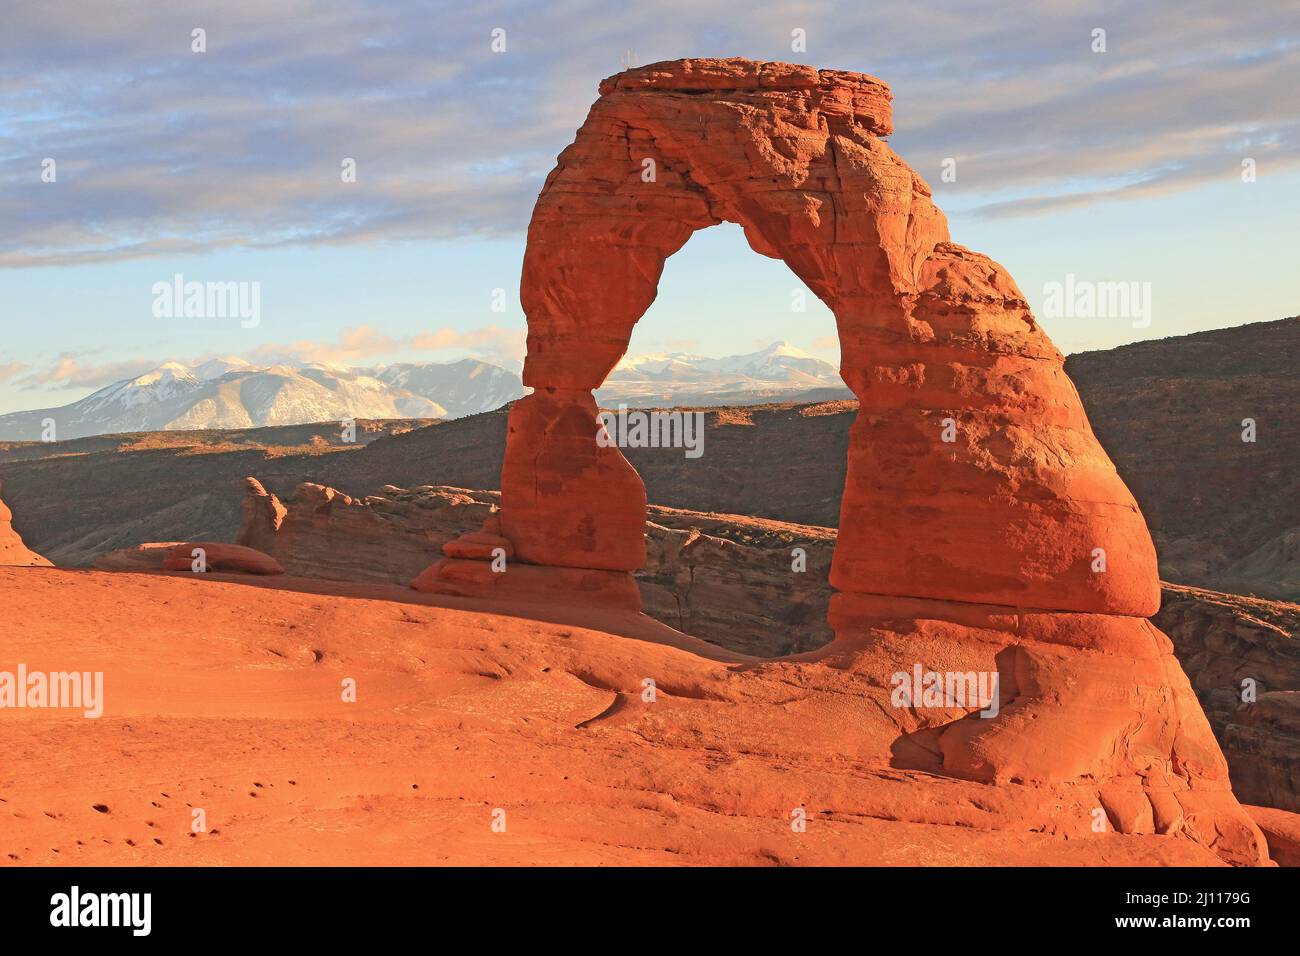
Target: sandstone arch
<point>978,553</point>
<point>1010,513</point>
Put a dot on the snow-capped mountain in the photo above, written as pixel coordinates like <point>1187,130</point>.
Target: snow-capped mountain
<point>218,367</point>
<point>462,388</point>
<point>232,393</point>
<point>779,372</point>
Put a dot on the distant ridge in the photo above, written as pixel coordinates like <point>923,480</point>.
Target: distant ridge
<point>230,392</point>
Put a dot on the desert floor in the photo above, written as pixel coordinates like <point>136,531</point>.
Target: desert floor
<point>226,694</point>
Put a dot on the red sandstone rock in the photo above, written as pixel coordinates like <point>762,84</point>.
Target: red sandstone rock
<point>531,583</point>
<point>724,578</point>
<point>389,537</point>
<point>179,556</point>
<point>1282,830</point>
<point>1085,697</point>
<point>143,557</point>
<point>727,579</point>
<point>479,545</point>
<point>261,515</point>
<point>577,504</point>
<point>219,556</point>
<point>475,706</point>
<point>12,549</point>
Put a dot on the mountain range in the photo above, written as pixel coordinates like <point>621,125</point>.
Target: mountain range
<point>233,393</point>
<point>779,372</point>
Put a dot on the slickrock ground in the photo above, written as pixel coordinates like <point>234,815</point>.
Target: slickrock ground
<point>225,694</point>
<point>728,579</point>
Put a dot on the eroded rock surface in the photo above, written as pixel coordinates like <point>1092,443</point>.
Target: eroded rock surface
<point>930,332</point>
<point>1282,831</point>
<point>225,694</point>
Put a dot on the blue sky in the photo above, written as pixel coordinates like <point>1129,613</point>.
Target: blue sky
<point>224,166</point>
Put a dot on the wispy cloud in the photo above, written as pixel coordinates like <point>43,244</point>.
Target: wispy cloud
<point>160,150</point>
<point>364,342</point>
<point>359,345</point>
<point>70,371</point>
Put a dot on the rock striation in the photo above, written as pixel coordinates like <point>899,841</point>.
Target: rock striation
<point>930,333</point>
<point>982,526</point>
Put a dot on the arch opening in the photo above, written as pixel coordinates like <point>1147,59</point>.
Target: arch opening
<point>739,539</point>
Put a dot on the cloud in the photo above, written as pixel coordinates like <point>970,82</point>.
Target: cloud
<point>364,342</point>
<point>358,345</point>
<point>161,151</point>
<point>68,371</point>
<point>1157,126</point>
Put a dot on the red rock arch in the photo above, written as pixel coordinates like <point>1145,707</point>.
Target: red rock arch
<point>1010,513</point>
<point>976,555</point>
